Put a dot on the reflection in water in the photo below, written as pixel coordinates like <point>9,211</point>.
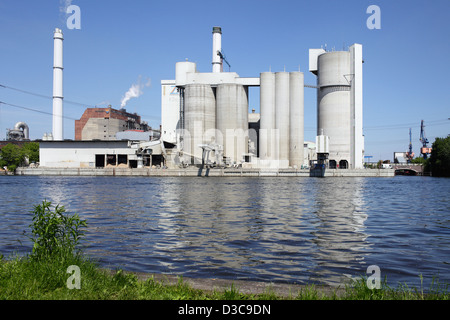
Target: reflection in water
<point>273,229</point>
<point>340,236</point>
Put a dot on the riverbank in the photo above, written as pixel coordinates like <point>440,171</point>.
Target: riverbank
<point>193,172</point>
<point>25,279</point>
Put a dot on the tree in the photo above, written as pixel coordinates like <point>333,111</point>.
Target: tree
<point>440,157</point>
<point>11,156</point>
<point>31,151</point>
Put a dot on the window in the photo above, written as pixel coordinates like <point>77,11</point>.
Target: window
<point>332,164</point>
<point>343,164</point>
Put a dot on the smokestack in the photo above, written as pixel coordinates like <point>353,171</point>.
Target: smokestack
<point>217,47</point>
<point>58,85</point>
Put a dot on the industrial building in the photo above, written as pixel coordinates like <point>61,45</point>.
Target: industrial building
<point>97,154</point>
<point>205,119</point>
<point>206,113</point>
<point>105,123</point>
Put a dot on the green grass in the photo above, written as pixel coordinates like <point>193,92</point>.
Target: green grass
<point>24,278</point>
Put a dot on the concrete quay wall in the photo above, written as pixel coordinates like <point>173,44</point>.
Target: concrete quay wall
<point>193,172</point>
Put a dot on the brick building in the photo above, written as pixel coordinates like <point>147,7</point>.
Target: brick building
<point>104,123</point>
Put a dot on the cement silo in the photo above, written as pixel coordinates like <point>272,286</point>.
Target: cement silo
<point>339,104</point>
<point>333,110</point>
<point>282,114</point>
<point>232,120</point>
<point>296,124</point>
<point>199,118</point>
<point>267,109</point>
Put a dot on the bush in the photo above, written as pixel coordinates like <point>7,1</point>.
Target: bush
<point>53,232</point>
<point>11,156</point>
<point>440,157</point>
<point>31,151</point>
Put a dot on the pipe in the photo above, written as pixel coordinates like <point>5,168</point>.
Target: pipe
<point>58,84</point>
<point>25,129</point>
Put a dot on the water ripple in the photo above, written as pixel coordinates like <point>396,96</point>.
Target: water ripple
<point>274,229</point>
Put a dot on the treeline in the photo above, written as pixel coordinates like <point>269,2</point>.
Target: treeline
<point>438,164</point>
<point>13,156</point>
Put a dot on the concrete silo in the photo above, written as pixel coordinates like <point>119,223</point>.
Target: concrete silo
<point>267,109</point>
<point>282,114</point>
<point>281,127</point>
<point>296,116</point>
<point>232,120</point>
<point>339,104</point>
<point>199,118</point>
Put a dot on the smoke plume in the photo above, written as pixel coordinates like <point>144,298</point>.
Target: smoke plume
<point>135,91</point>
<point>63,5</point>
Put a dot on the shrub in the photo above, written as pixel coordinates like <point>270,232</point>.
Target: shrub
<point>53,232</point>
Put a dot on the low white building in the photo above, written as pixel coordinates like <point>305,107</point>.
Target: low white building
<point>95,154</point>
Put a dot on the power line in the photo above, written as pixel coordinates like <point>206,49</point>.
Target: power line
<point>32,109</point>
<point>65,101</point>
<point>45,96</point>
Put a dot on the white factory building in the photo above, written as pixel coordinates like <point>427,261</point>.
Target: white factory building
<point>206,116</point>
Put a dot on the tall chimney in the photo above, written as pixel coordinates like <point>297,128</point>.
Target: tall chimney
<point>217,47</point>
<point>58,85</point>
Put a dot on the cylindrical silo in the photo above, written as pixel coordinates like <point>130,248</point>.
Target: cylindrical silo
<point>282,114</point>
<point>182,68</point>
<point>232,120</point>
<point>200,118</point>
<point>267,111</point>
<point>296,125</point>
<point>333,111</point>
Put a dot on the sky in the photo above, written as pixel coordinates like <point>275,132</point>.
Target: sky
<point>121,43</point>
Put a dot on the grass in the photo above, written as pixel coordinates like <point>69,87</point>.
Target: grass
<point>23,278</point>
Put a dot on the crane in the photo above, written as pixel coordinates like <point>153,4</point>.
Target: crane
<point>223,58</point>
<point>425,151</point>
<point>410,153</point>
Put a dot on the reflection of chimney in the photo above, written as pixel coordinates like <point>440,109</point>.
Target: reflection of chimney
<point>58,85</point>
<point>217,47</point>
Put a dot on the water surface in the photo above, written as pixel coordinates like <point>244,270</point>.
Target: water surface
<point>287,229</point>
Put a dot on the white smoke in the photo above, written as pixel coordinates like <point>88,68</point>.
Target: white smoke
<point>135,91</point>
<point>63,5</point>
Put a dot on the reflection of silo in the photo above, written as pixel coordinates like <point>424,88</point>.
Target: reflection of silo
<point>282,113</point>
<point>267,122</point>
<point>232,120</point>
<point>296,125</point>
<point>200,117</point>
<point>333,111</point>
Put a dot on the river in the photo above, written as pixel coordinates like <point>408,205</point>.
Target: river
<point>286,229</point>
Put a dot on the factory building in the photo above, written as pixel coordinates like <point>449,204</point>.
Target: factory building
<point>210,112</point>
<point>205,119</point>
<point>339,104</point>
<point>105,123</point>
<point>96,154</point>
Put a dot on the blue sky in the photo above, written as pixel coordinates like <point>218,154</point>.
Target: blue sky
<point>405,73</point>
